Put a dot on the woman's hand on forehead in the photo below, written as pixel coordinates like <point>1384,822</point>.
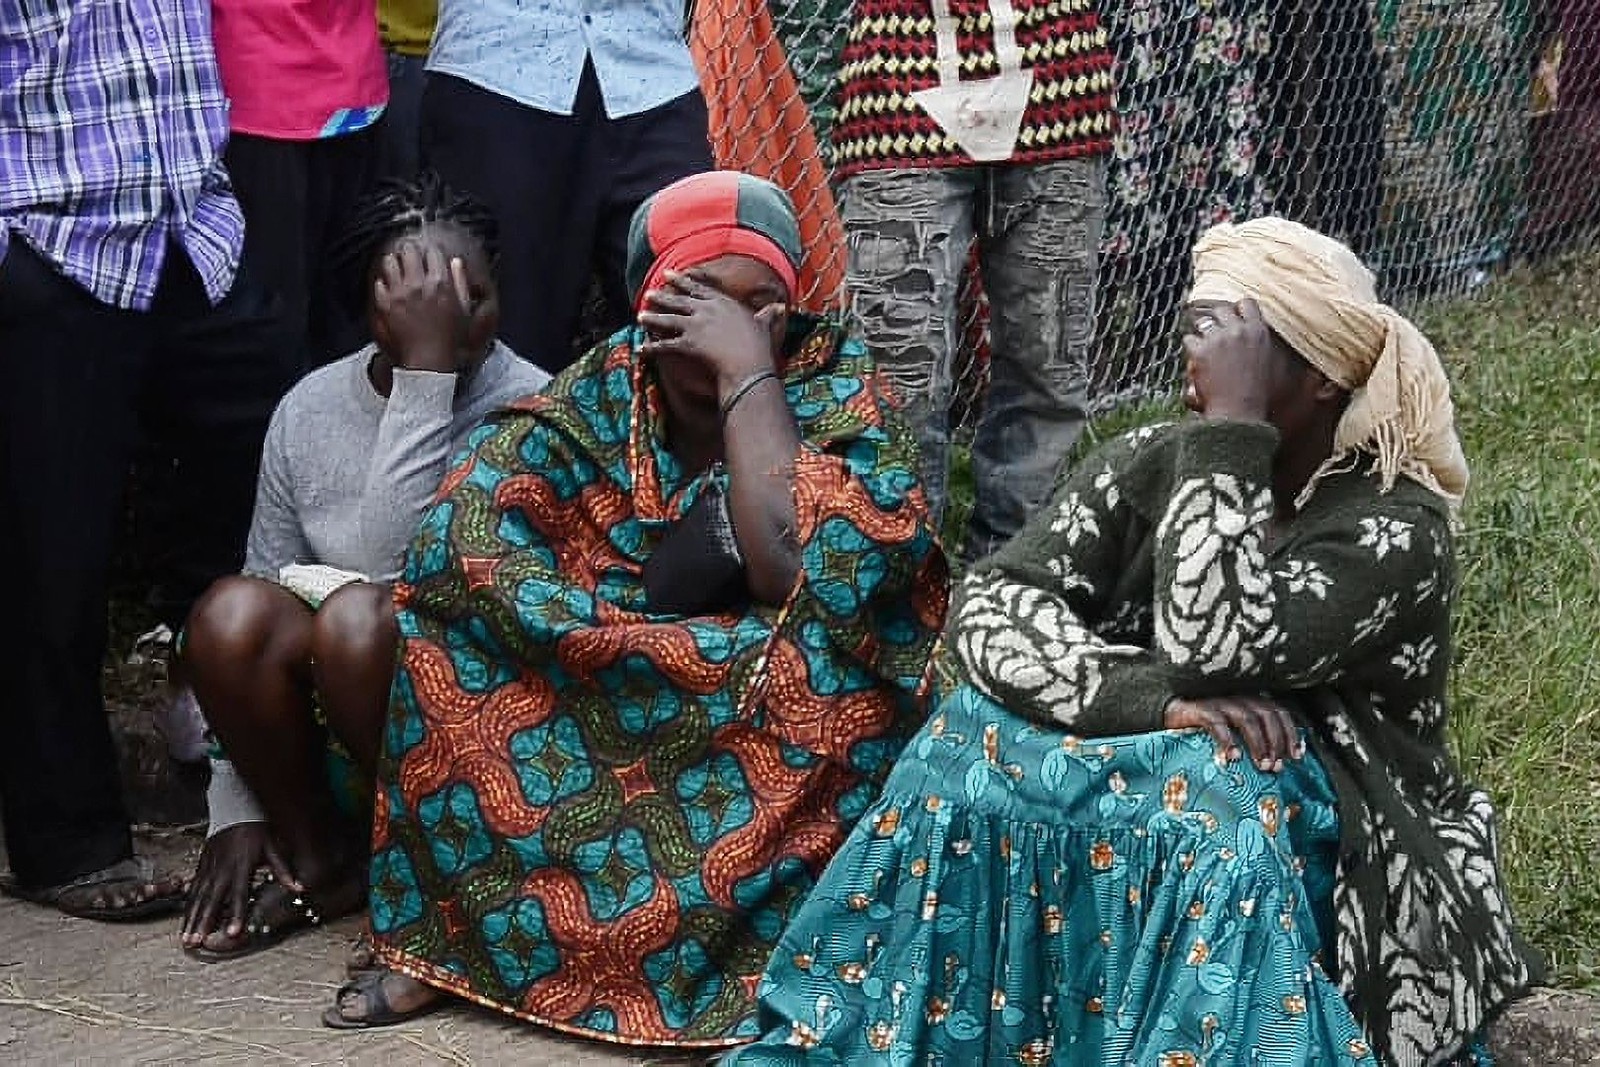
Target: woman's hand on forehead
<point>691,318</point>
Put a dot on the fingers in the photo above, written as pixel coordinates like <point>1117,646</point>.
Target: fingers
<point>1247,725</point>
<point>663,346</point>
<point>239,904</point>
<point>1226,315</point>
<point>458,276</point>
<point>1221,733</point>
<point>207,904</point>
<point>662,326</point>
<point>669,300</point>
<point>690,284</point>
<point>432,262</point>
<point>1203,715</point>
<point>197,903</point>
<point>280,868</point>
<point>1268,731</point>
<point>408,261</point>
<point>769,314</point>
<point>1278,736</point>
<point>1249,312</point>
<point>1296,747</point>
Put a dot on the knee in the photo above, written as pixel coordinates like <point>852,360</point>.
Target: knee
<point>238,620</point>
<point>355,626</point>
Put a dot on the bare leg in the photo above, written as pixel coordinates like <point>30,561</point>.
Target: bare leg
<point>354,642</point>
<point>354,646</point>
<point>248,656</point>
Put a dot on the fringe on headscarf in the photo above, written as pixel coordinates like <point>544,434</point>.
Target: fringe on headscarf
<point>1320,298</point>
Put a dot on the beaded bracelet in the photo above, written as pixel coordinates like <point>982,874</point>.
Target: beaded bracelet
<point>744,388</point>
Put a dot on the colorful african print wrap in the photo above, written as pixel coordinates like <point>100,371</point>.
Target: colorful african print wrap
<point>599,819</point>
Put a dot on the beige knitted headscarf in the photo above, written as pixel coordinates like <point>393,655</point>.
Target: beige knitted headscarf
<point>1321,300</point>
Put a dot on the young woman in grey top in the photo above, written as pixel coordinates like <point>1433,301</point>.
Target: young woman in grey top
<point>292,660</point>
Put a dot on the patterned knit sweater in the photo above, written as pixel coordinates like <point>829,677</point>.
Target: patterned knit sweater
<point>893,52</point>
<point>1151,576</point>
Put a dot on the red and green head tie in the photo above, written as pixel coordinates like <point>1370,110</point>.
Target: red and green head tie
<point>706,216</point>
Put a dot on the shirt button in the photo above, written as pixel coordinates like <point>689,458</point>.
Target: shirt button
<point>588,18</point>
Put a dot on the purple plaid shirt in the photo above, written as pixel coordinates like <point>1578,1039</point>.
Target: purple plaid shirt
<point>112,122</point>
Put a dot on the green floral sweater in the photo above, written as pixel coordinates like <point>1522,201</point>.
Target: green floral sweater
<point>1152,576</point>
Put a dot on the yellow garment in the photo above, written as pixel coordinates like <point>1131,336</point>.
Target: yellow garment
<point>1323,302</point>
<point>407,25</point>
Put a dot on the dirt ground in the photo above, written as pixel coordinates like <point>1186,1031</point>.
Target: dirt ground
<point>74,992</point>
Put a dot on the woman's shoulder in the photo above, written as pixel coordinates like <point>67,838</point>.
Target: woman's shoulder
<point>513,372</point>
<point>1356,498</point>
<point>508,378</point>
<point>331,391</point>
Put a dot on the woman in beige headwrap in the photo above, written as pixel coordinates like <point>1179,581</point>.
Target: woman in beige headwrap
<point>1265,855</point>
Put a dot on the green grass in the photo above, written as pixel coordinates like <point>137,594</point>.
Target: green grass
<point>1526,361</point>
<point>1525,357</point>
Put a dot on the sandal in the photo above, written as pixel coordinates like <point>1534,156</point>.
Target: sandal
<point>380,1012</point>
<point>297,912</point>
<point>363,955</point>
<point>93,895</point>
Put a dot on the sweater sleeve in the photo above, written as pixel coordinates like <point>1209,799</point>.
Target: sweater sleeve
<point>276,535</point>
<point>1228,617</point>
<point>229,801</point>
<point>1023,626</point>
<point>408,462</point>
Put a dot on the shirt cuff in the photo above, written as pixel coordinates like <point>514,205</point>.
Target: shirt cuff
<point>229,799</point>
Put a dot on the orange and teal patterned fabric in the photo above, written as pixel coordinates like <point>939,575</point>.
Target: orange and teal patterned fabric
<point>600,819</point>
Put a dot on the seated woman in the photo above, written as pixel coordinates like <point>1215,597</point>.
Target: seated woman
<point>303,645</point>
<point>1061,869</point>
<point>664,634</point>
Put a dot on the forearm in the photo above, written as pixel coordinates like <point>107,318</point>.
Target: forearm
<point>761,442</point>
<point>407,465</point>
<point>1029,650</point>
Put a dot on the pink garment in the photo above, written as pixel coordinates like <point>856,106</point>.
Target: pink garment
<point>298,70</point>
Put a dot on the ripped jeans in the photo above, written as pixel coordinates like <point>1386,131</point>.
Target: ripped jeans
<point>1038,228</point>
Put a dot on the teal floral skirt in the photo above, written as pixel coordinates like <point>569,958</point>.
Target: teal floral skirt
<point>1021,896</point>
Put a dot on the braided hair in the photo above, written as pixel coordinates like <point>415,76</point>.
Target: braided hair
<point>397,208</point>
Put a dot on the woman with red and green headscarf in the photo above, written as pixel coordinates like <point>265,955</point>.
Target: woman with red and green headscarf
<point>664,631</point>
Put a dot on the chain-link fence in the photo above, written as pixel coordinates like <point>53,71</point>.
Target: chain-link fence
<point>1443,139</point>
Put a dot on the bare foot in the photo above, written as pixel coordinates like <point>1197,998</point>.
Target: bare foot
<point>380,998</point>
<point>123,892</point>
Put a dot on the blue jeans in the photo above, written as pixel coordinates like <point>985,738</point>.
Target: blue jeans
<point>1038,229</point>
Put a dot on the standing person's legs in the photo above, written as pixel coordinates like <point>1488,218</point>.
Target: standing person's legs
<point>1040,251</point>
<point>521,163</point>
<point>271,178</point>
<point>909,234</point>
<point>342,170</point>
<point>67,427</point>
<point>400,154</point>
<point>636,157</point>
<point>216,375</point>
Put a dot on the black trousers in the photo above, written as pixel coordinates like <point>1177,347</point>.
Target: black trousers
<point>564,188</point>
<point>298,198</point>
<point>81,380</point>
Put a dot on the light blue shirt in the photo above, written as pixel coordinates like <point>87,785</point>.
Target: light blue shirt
<point>533,51</point>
